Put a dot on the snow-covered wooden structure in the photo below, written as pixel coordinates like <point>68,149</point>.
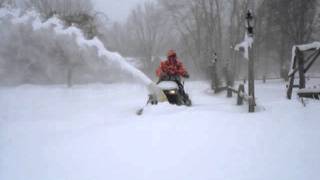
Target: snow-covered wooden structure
<point>301,64</point>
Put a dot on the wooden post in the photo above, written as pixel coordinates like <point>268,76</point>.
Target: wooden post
<point>228,81</point>
<point>215,79</point>
<point>240,94</point>
<point>251,102</point>
<point>215,83</point>
<point>229,92</point>
<point>302,78</point>
<point>290,87</point>
<point>264,79</point>
<point>291,79</point>
<point>251,80</point>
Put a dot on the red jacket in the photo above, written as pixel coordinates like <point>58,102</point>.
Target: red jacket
<point>171,68</point>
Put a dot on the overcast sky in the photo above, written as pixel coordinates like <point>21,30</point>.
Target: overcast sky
<point>117,10</point>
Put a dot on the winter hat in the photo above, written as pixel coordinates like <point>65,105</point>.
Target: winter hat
<point>171,53</point>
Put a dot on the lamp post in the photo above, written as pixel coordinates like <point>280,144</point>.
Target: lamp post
<point>250,32</point>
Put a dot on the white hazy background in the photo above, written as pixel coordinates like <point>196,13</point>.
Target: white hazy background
<point>117,10</point>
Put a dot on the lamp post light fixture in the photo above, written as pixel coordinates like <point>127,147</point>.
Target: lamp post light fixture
<point>250,23</point>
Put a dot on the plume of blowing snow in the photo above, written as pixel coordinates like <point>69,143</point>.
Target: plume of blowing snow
<point>33,17</point>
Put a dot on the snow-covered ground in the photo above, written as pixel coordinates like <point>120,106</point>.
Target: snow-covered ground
<point>92,133</point>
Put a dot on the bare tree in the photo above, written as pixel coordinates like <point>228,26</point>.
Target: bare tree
<point>61,7</point>
<point>201,28</point>
<point>148,31</point>
<point>9,2</point>
<point>236,31</point>
<point>200,24</point>
<point>288,22</point>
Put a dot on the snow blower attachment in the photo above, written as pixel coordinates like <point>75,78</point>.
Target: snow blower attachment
<point>156,95</point>
<point>167,90</point>
<point>174,91</point>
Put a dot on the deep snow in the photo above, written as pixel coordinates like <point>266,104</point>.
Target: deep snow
<point>92,133</point>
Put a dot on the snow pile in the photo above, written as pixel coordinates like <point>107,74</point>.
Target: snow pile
<point>303,47</point>
<point>34,18</point>
<point>245,45</point>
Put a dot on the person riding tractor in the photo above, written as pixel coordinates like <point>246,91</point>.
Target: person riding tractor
<point>173,69</point>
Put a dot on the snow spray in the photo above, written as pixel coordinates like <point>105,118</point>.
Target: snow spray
<point>56,24</point>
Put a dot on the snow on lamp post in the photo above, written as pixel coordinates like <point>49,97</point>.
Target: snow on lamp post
<point>247,47</point>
